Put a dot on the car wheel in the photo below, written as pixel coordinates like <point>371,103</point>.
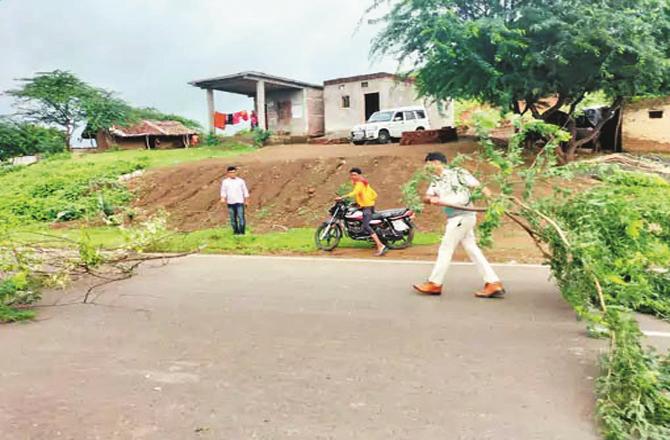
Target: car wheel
<point>384,137</point>
<point>358,142</point>
<point>420,129</point>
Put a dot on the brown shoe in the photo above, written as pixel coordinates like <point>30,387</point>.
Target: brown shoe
<point>491,290</point>
<point>428,288</point>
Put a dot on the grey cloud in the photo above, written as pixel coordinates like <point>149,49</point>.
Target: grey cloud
<point>147,50</point>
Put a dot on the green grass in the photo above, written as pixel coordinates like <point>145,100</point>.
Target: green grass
<point>164,158</point>
<point>8,314</point>
<point>217,240</point>
<point>78,186</point>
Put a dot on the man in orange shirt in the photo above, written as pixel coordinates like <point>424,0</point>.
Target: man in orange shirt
<point>365,198</point>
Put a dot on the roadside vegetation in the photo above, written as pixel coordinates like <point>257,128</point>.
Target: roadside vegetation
<point>75,187</point>
<point>608,248</point>
<point>214,240</point>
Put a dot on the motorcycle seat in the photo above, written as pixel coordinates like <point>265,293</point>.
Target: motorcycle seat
<point>389,213</point>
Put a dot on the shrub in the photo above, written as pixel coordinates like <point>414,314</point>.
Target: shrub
<point>23,139</point>
<point>261,136</point>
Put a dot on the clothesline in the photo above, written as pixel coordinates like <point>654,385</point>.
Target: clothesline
<point>221,120</point>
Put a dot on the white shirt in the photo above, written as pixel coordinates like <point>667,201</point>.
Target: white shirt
<point>453,187</point>
<point>234,190</point>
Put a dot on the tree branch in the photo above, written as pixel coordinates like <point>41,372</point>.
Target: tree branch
<point>553,109</point>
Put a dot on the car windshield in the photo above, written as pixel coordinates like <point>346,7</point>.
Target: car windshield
<point>381,117</point>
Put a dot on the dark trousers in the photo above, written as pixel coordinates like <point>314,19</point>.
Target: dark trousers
<point>367,217</point>
<point>237,220</point>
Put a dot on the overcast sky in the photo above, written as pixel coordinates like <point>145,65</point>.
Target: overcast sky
<point>147,50</point>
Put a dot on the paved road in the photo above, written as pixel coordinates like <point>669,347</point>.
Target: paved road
<point>215,347</point>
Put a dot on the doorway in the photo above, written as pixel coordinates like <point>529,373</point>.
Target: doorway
<point>371,104</point>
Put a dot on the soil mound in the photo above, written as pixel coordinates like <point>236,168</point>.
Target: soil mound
<point>284,194</point>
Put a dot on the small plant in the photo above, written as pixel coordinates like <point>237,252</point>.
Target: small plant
<point>213,139</point>
<point>263,212</point>
<point>261,136</point>
<point>410,190</point>
<point>344,189</point>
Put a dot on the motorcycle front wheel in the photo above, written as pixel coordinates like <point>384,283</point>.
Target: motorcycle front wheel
<point>328,236</point>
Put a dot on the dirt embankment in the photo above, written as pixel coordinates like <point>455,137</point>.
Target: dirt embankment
<point>293,186</point>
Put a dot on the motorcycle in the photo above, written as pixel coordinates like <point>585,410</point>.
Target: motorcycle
<point>394,227</point>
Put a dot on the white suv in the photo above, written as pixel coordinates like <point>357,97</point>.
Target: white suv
<point>385,125</point>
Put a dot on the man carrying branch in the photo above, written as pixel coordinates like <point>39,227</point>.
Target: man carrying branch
<point>451,189</point>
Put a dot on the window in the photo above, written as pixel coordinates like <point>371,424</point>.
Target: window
<point>341,87</point>
<point>420,114</point>
<point>409,116</point>
<point>655,114</point>
<point>364,84</point>
<point>346,101</point>
<point>398,117</point>
<point>381,117</point>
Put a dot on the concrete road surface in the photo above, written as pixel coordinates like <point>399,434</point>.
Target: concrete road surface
<point>215,347</point>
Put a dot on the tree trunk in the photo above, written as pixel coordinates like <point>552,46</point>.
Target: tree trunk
<point>617,134</point>
<point>68,134</point>
<point>567,122</point>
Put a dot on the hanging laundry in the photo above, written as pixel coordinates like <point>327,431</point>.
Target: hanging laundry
<point>220,120</point>
<point>236,118</point>
<point>244,115</point>
<point>229,119</point>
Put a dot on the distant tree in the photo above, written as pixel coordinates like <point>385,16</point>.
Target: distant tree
<point>61,99</point>
<point>24,139</point>
<point>514,53</point>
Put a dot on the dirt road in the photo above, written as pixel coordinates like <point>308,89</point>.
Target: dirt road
<point>214,347</point>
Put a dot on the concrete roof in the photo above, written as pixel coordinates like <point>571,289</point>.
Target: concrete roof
<point>244,83</point>
<point>366,77</point>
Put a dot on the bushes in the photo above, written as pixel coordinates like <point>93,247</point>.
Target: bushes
<point>620,235</point>
<point>260,136</point>
<point>23,139</point>
<point>623,228</point>
<point>609,251</point>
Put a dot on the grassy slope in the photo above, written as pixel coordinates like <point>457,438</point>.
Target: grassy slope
<point>31,197</point>
<point>72,185</point>
<point>163,158</point>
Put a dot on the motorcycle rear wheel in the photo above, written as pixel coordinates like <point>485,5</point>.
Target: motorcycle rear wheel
<point>404,242</point>
<point>331,240</point>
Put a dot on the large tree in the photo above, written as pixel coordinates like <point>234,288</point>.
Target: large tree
<point>61,99</point>
<point>515,53</point>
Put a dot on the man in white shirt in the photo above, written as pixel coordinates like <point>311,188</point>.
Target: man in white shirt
<point>235,194</point>
<point>451,187</point>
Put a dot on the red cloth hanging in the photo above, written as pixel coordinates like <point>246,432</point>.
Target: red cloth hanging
<point>220,120</point>
<point>244,115</point>
<point>236,118</point>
